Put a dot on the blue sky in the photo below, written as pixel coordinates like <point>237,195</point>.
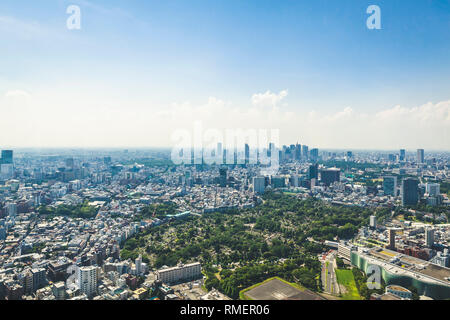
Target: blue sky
<point>141,57</point>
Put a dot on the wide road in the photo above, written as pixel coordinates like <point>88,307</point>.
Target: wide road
<point>329,281</point>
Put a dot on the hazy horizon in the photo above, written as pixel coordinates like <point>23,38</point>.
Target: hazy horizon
<point>168,149</point>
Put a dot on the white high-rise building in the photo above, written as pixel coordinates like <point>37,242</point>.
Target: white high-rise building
<point>6,171</point>
<point>373,222</point>
<point>180,273</point>
<point>11,208</point>
<point>442,258</point>
<point>433,189</point>
<point>420,156</point>
<point>138,263</point>
<point>87,280</point>
<point>219,153</point>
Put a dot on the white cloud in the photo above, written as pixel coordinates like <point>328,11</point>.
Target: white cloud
<point>425,126</point>
<point>422,116</point>
<point>17,94</point>
<point>268,98</point>
<point>64,120</point>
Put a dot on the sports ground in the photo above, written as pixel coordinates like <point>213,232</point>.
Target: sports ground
<point>278,289</point>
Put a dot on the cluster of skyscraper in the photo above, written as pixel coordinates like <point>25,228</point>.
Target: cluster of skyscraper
<point>402,156</point>
<point>298,152</point>
<point>245,154</point>
<point>410,189</point>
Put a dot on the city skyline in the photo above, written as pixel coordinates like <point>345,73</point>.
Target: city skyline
<point>100,225</point>
<point>20,150</point>
<point>213,152</point>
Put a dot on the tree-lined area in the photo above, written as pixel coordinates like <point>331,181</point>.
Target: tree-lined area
<point>158,210</point>
<point>281,237</point>
<point>83,210</point>
<point>445,187</point>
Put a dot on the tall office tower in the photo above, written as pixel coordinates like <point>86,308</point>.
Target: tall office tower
<point>390,185</point>
<point>247,154</point>
<point>191,160</point>
<point>410,192</point>
<point>278,181</point>
<point>107,160</point>
<point>6,171</point>
<point>11,209</point>
<point>272,148</point>
<point>7,157</point>
<point>27,282</point>
<point>313,172</point>
<point>87,280</point>
<point>349,154</point>
<point>420,156</point>
<point>70,163</point>
<point>225,155</point>
<point>429,237</point>
<point>37,198</point>
<point>329,176</point>
<point>284,153</point>
<point>373,222</point>
<point>391,233</point>
<point>294,181</point>
<point>259,184</point>
<point>402,154</point>
<point>292,149</point>
<point>298,152</point>
<point>219,154</point>
<point>305,152</point>
<point>314,154</point>
<point>38,278</point>
<point>138,264</point>
<point>2,233</point>
<point>223,177</point>
<point>433,189</point>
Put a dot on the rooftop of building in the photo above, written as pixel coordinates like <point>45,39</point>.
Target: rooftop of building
<point>180,266</point>
<point>398,288</point>
<point>409,264</point>
<point>389,296</point>
<point>140,291</point>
